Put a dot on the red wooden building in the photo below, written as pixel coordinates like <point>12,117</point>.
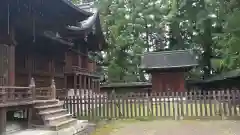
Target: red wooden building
<point>45,40</point>
<point>167,69</point>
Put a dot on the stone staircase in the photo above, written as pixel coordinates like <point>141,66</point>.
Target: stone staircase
<point>53,115</point>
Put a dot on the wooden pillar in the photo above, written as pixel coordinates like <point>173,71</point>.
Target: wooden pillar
<point>80,83</point>
<point>11,65</point>
<point>11,71</point>
<point>75,84</point>
<point>95,85</point>
<point>52,68</point>
<point>89,83</point>
<point>84,82</point>
<point>49,65</point>
<point>98,85</point>
<point>30,114</point>
<point>3,120</point>
<point>79,60</point>
<point>92,85</point>
<point>65,81</point>
<point>29,67</point>
<point>67,62</point>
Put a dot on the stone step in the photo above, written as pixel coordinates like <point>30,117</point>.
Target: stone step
<point>57,119</point>
<point>46,102</point>
<point>52,113</point>
<point>50,107</point>
<point>64,124</point>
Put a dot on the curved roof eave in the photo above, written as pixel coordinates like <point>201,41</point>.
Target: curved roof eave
<point>85,24</point>
<point>69,3</point>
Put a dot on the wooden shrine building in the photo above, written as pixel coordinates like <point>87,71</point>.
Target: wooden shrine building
<point>167,69</point>
<point>46,40</point>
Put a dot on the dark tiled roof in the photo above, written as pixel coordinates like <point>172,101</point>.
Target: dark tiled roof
<point>168,59</point>
<point>218,77</point>
<point>223,76</point>
<point>128,84</point>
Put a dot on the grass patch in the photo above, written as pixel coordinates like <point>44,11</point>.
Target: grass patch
<point>104,130</point>
<point>107,127</point>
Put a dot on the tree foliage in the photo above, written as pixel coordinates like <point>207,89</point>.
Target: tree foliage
<point>211,28</point>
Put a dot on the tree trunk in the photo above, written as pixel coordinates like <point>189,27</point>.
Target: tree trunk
<point>207,42</point>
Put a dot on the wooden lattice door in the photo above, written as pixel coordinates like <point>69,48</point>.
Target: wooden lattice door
<point>4,64</point>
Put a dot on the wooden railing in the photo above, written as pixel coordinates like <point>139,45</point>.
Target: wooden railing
<point>16,94</point>
<point>46,92</point>
<point>61,93</point>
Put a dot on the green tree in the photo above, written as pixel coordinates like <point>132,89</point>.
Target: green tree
<point>132,28</point>
<point>209,27</point>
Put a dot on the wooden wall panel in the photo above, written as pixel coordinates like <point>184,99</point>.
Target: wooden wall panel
<point>59,82</point>
<point>168,81</point>
<point>42,81</point>
<point>4,58</point>
<point>22,80</point>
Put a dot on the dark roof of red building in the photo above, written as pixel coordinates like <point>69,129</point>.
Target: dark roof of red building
<point>126,85</point>
<point>218,77</point>
<point>168,59</point>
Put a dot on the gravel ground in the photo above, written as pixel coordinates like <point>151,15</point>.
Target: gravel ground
<point>167,127</point>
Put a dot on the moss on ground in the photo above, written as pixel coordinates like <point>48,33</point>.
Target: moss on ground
<point>107,127</point>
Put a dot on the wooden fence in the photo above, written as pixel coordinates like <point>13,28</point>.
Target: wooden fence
<point>174,105</point>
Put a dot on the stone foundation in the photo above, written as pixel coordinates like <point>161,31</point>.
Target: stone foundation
<point>80,128</point>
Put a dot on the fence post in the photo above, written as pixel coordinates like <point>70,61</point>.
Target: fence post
<point>53,89</point>
<point>32,87</point>
<point>220,95</point>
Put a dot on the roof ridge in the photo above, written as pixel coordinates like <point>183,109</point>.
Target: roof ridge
<point>168,59</point>
<point>169,52</point>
